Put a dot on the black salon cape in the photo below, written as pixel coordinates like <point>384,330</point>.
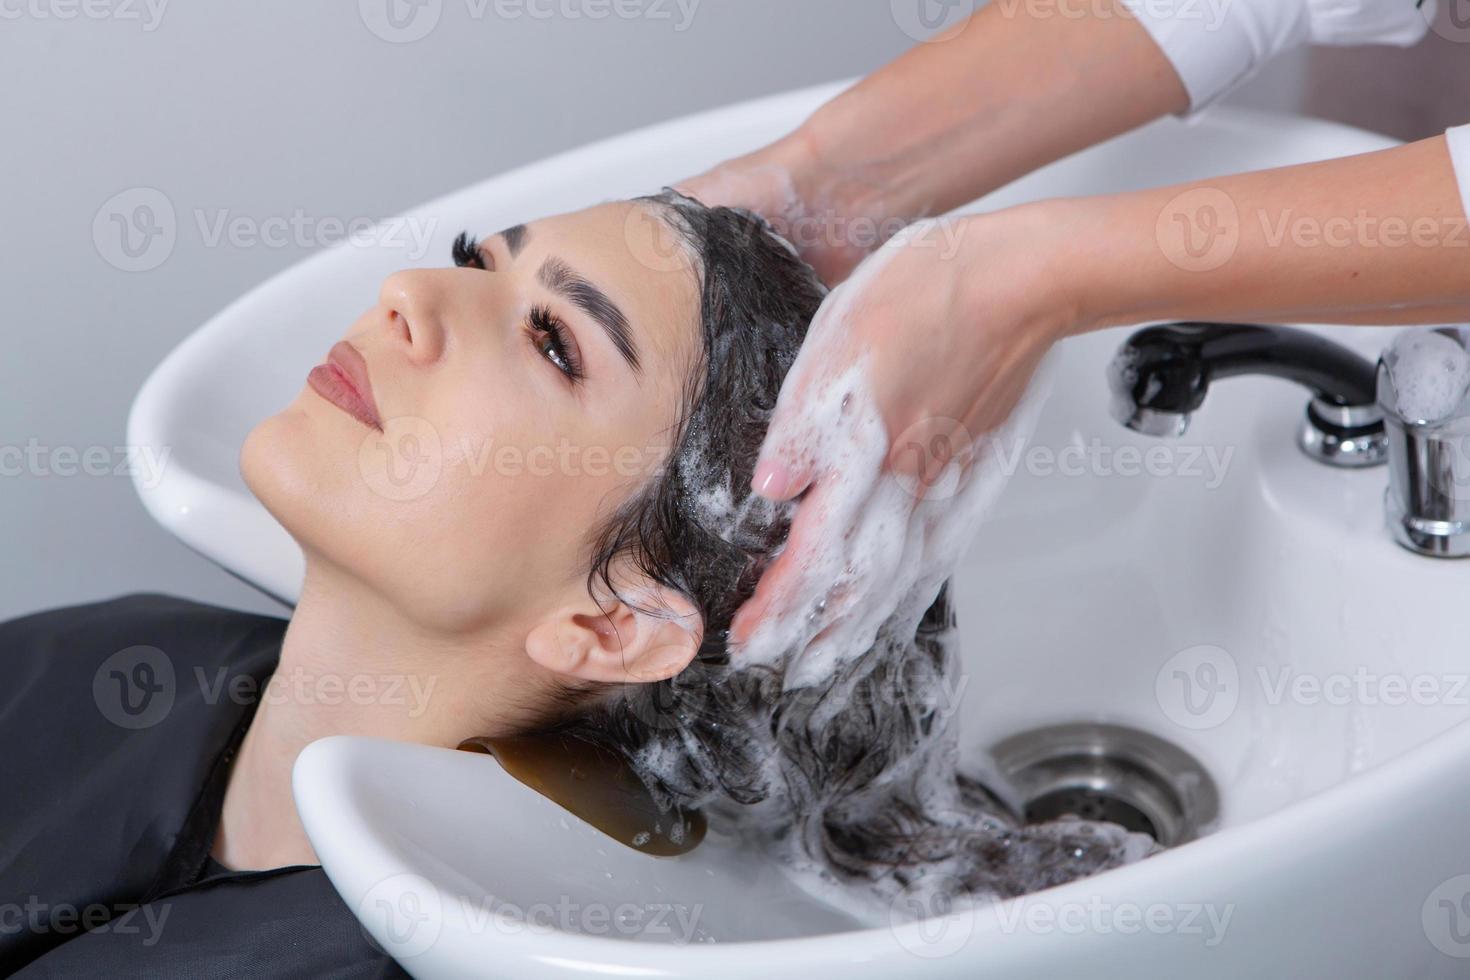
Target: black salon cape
<point>110,795</point>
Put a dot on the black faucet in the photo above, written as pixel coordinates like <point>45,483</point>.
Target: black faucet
<point>1162,374</point>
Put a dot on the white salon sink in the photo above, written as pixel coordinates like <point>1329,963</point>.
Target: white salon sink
<point>1256,616</point>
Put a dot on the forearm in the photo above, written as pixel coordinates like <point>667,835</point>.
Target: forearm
<point>1375,238</point>
<point>1008,90</point>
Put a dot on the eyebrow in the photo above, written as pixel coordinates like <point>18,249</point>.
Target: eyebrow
<point>515,239</point>
<point>559,277</point>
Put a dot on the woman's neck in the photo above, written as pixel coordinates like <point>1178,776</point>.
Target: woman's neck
<point>350,665</point>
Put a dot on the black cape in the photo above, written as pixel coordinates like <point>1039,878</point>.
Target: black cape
<point>120,720</point>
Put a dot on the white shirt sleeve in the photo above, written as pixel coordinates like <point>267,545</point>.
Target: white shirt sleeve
<point>1458,138</point>
<point>1215,45</point>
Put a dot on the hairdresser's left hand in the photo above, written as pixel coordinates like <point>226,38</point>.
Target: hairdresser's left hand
<point>906,368</point>
<point>833,217</point>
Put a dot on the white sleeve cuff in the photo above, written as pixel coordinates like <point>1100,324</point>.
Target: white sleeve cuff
<point>1215,45</point>
<point>1458,140</point>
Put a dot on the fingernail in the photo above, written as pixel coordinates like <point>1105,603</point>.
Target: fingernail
<point>770,480</point>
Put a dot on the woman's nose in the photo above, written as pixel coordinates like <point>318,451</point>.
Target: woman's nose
<point>414,301</point>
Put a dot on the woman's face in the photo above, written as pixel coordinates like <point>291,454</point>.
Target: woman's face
<point>520,402</point>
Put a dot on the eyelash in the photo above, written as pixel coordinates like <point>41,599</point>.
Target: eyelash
<point>547,333</point>
<point>547,328</point>
<point>466,252</point>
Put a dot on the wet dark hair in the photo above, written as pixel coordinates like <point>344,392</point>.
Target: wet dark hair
<point>843,772</point>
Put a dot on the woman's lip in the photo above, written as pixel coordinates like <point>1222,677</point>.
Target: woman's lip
<point>343,381</point>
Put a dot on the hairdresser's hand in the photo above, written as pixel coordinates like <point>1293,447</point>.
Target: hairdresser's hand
<point>907,366</point>
<point>835,218</point>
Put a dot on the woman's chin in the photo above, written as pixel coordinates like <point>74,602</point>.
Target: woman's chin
<point>282,462</point>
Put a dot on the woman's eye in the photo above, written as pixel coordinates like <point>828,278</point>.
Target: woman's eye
<point>466,252</point>
<point>551,339</point>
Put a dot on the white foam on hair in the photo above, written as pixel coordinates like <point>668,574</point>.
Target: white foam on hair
<point>888,548</point>
<point>865,587</point>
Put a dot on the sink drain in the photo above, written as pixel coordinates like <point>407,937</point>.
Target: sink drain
<point>1113,773</point>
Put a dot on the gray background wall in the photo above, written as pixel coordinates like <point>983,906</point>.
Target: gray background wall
<point>267,108</point>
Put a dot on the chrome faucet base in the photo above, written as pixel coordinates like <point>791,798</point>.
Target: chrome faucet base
<point>1351,437</point>
<point>1437,539</point>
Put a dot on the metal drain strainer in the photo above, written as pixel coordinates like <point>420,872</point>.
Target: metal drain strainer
<point>1110,772</point>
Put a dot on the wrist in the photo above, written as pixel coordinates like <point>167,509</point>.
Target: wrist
<point>1089,247</point>
<point>1033,253</point>
<point>838,174</point>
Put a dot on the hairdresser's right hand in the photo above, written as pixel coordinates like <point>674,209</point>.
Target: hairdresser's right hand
<point>835,218</point>
<point>907,366</point>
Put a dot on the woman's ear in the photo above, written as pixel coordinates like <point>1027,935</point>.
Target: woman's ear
<point>620,644</point>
